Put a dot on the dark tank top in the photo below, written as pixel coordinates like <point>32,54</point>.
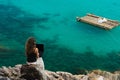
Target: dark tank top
<point>31,57</point>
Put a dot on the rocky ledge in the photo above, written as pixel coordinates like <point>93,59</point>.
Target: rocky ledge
<point>33,72</point>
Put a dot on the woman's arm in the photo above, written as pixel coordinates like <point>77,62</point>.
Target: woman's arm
<point>37,53</point>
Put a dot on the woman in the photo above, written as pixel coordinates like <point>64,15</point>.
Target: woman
<point>32,53</point>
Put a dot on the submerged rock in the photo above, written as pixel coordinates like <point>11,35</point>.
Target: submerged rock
<point>4,49</point>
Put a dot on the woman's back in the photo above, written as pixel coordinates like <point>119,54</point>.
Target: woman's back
<point>31,50</point>
<point>31,57</point>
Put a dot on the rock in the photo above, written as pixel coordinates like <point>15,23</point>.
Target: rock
<point>117,72</point>
<point>106,75</point>
<point>65,75</point>
<point>6,71</point>
<point>52,75</point>
<point>32,72</point>
<point>4,78</point>
<point>100,78</point>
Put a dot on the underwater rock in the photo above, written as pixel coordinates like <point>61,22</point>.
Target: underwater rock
<point>3,49</point>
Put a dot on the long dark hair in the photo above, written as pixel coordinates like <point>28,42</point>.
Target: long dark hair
<point>30,45</point>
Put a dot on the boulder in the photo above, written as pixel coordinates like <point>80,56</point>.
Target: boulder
<point>32,72</point>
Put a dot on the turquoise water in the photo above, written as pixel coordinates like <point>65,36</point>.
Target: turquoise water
<point>69,45</point>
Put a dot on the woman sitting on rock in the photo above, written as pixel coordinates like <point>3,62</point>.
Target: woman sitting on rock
<point>32,53</point>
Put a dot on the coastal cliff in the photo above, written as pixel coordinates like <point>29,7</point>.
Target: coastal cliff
<point>32,72</point>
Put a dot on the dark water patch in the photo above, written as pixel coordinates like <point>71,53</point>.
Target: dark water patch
<point>115,4</point>
<point>50,42</point>
<point>3,49</point>
<point>33,20</point>
<point>17,24</point>
<point>43,27</point>
<point>11,52</point>
<point>56,15</point>
<point>12,15</point>
<point>51,15</point>
<point>58,57</point>
<point>47,14</point>
<point>114,56</point>
<point>9,10</point>
<point>113,61</point>
<point>12,58</point>
<point>16,34</point>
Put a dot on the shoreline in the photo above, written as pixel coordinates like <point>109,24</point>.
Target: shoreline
<point>14,73</point>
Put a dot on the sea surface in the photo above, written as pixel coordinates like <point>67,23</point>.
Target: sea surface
<point>68,45</point>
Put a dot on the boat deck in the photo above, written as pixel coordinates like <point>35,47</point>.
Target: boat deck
<point>98,21</point>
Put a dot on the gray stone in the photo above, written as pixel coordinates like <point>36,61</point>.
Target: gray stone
<point>4,78</point>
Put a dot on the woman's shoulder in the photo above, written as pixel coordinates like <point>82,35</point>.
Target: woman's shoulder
<point>35,49</point>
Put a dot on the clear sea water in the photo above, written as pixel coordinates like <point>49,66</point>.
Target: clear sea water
<point>69,45</point>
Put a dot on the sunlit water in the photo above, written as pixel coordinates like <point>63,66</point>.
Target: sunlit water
<point>65,39</point>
